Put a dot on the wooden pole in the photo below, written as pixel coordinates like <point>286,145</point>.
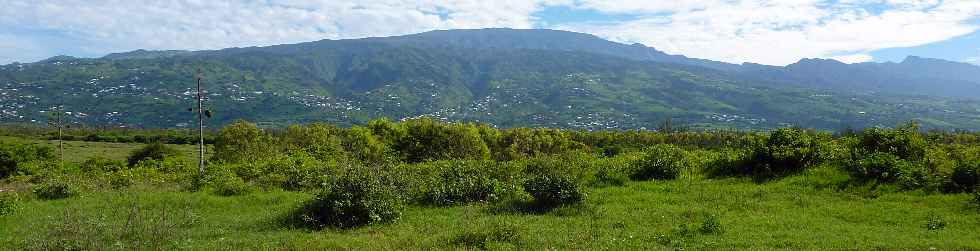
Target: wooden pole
<point>200,120</point>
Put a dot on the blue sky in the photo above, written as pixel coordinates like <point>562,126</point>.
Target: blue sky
<point>776,32</point>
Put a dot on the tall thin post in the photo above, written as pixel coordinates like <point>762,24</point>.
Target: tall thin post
<point>200,120</point>
<point>61,141</point>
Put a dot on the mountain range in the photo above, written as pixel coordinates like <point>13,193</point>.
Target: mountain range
<point>504,77</point>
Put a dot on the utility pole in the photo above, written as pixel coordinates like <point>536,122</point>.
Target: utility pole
<point>61,141</point>
<point>200,120</point>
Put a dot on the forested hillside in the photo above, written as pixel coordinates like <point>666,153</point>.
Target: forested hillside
<point>502,77</point>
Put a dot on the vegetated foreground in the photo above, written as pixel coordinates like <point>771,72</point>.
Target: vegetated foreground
<point>422,184</point>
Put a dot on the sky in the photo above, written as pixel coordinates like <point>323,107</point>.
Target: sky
<point>775,32</point>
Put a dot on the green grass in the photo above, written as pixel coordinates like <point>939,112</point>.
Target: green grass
<point>79,151</point>
<point>817,209</point>
<point>786,214</point>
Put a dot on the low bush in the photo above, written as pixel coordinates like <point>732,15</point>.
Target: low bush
<point>102,164</point>
<point>660,162</point>
<point>297,171</point>
<point>965,178</point>
<point>711,225</point>
<point>9,202</point>
<point>53,190</point>
<point>483,237</point>
<point>883,167</point>
<point>356,199</point>
<point>231,186</point>
<point>553,190</point>
<point>154,151</point>
<point>14,155</point>
<point>462,182</point>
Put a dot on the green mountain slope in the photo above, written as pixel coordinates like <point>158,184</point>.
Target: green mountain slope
<point>505,81</point>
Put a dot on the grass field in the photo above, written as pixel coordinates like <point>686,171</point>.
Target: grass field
<point>79,151</point>
<point>642,215</point>
<point>800,212</point>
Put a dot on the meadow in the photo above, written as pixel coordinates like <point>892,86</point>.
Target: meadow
<point>423,184</point>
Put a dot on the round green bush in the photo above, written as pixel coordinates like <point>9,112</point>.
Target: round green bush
<point>553,190</point>
<point>884,167</point>
<point>354,200</point>
<point>54,190</point>
<point>231,186</point>
<point>154,151</point>
<point>461,181</point>
<point>661,162</point>
<point>965,178</point>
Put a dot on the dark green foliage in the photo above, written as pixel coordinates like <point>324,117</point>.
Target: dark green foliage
<point>100,164</point>
<point>153,151</point>
<point>935,223</point>
<point>782,152</point>
<point>711,225</point>
<point>551,191</point>
<point>483,236</point>
<point>965,177</point>
<point>521,143</point>
<point>428,140</point>
<point>884,167</point>
<point>363,145</point>
<point>53,190</point>
<point>9,202</point>
<point>659,162</point>
<point>789,150</point>
<point>231,186</point>
<point>13,155</point>
<point>295,171</point>
<point>904,142</point>
<point>461,182</point>
<point>241,142</point>
<point>356,199</point>
<point>319,140</point>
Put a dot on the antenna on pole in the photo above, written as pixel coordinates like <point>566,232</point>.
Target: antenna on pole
<point>200,120</point>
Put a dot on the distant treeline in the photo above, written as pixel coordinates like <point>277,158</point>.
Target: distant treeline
<point>609,141</point>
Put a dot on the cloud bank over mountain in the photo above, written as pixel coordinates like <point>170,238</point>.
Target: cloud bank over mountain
<point>763,31</point>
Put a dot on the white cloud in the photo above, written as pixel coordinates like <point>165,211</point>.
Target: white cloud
<point>853,58</point>
<point>103,26</point>
<point>765,31</point>
<point>782,32</point>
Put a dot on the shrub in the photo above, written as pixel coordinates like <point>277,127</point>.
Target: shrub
<point>356,199</point>
<point>297,171</point>
<point>711,225</point>
<point>883,167</point>
<point>935,223</point>
<point>428,140</point>
<point>9,202</point>
<point>905,142</point>
<point>553,190</point>
<point>788,150</point>
<point>154,151</point>
<point>965,178</point>
<point>461,182</point>
<point>54,190</point>
<point>661,162</point>
<point>319,140</point>
<point>484,236</point>
<point>242,141</point>
<point>611,176</point>
<point>13,155</point>
<point>231,186</point>
<point>102,164</point>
